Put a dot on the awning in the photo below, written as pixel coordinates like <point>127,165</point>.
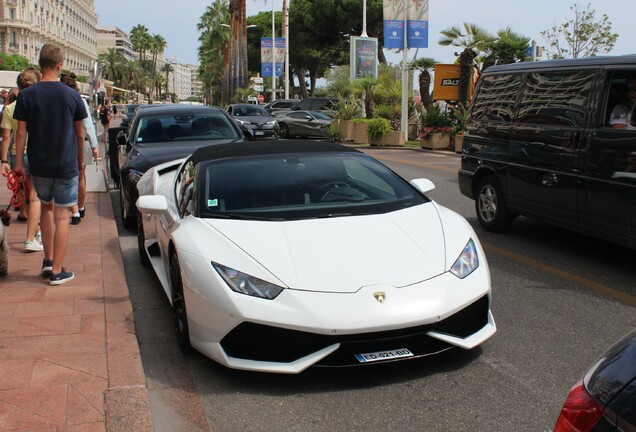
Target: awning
<point>121,89</point>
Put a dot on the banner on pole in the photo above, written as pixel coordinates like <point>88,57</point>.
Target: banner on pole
<point>267,56</point>
<point>415,13</point>
<point>363,58</point>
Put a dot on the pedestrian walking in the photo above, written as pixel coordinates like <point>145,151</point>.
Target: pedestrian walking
<point>52,114</point>
<point>91,152</point>
<point>30,209</point>
<point>104,118</point>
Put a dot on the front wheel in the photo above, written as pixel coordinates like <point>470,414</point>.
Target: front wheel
<point>179,314</point>
<point>490,206</point>
<point>284,130</point>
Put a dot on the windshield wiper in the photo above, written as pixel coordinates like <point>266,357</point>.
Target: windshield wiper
<point>240,216</point>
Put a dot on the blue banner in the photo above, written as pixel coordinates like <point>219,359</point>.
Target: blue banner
<point>267,56</point>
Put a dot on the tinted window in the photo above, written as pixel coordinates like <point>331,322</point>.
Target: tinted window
<point>162,128</point>
<point>559,98</point>
<point>496,97</point>
<point>185,188</point>
<point>302,186</point>
<point>249,110</point>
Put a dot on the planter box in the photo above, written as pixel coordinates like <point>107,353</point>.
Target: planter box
<point>360,133</point>
<point>392,139</point>
<point>459,141</point>
<point>436,141</point>
<point>346,129</point>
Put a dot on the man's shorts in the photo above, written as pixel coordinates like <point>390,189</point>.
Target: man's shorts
<point>62,192</point>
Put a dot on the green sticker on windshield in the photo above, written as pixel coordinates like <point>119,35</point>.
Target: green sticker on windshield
<point>213,203</point>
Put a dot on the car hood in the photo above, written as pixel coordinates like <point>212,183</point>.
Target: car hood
<point>345,254</point>
<point>144,158</point>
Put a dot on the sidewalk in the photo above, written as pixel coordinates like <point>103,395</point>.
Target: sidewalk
<point>69,354</point>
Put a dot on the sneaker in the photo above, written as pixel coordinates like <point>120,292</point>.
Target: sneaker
<point>47,266</point>
<point>32,245</point>
<point>75,220</point>
<point>61,277</point>
<point>82,212</point>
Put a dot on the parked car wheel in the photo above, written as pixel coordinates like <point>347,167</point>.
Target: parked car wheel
<point>143,257</point>
<point>490,206</point>
<point>179,314</point>
<point>284,130</point>
<point>127,220</point>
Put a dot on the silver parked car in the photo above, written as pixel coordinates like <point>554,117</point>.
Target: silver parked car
<point>256,118</point>
<point>303,123</point>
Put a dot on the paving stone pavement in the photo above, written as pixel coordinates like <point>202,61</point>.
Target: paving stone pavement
<point>69,355</point>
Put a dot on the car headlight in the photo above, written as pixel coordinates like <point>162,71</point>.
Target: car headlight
<point>245,284</point>
<point>467,262</point>
<point>272,123</point>
<point>135,176</point>
<point>243,122</point>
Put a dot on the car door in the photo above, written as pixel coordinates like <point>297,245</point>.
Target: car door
<point>608,167</point>
<point>545,144</point>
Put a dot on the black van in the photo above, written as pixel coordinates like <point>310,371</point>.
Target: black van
<point>540,142</point>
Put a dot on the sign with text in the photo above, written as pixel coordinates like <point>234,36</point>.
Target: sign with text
<point>410,13</point>
<point>363,57</point>
<point>267,56</point>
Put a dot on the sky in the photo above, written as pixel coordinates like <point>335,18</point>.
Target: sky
<point>527,17</point>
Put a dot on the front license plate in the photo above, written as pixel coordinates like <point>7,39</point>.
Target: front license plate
<point>383,355</point>
<point>259,133</point>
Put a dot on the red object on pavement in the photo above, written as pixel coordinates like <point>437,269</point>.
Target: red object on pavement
<point>16,181</point>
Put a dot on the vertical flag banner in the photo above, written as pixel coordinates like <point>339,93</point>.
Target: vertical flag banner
<point>395,12</point>
<point>267,56</point>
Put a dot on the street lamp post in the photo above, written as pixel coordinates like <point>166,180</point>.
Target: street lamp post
<point>273,54</point>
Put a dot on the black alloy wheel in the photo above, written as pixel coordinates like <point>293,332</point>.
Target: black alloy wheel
<point>284,130</point>
<point>179,314</point>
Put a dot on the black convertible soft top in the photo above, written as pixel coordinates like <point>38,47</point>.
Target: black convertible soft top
<point>239,149</point>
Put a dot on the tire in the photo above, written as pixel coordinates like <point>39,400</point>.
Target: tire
<point>490,206</point>
<point>143,256</point>
<point>284,130</point>
<point>126,219</point>
<point>179,313</point>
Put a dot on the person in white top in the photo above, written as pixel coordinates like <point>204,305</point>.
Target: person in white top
<point>91,152</point>
<point>622,113</point>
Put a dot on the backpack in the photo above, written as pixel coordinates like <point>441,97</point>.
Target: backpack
<point>104,115</point>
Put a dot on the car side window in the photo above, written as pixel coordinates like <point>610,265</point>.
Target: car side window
<point>496,98</point>
<point>184,189</point>
<point>556,98</point>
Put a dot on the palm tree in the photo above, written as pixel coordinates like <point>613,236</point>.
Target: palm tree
<point>473,39</point>
<point>167,69</point>
<point>214,40</point>
<point>509,47</point>
<point>140,39</point>
<point>157,45</point>
<point>367,86</point>
<point>236,61</point>
<point>425,65</point>
<point>111,63</point>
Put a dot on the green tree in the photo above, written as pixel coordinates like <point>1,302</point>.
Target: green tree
<point>425,65</point>
<point>111,64</point>
<point>581,37</point>
<point>474,40</point>
<point>140,39</point>
<point>13,62</point>
<point>213,50</point>
<point>157,46</point>
<point>508,47</point>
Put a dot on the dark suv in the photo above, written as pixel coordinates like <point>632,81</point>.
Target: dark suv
<point>555,141</point>
<point>316,104</point>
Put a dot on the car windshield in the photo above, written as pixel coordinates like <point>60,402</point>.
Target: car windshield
<point>249,110</point>
<point>301,186</point>
<point>171,127</point>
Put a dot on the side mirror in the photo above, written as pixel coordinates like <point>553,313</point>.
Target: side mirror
<point>247,132</point>
<point>121,138</point>
<point>153,204</point>
<point>423,185</point>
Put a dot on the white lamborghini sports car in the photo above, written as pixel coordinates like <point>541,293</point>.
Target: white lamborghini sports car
<point>281,256</point>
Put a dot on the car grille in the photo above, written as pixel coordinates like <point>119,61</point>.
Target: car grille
<point>273,344</point>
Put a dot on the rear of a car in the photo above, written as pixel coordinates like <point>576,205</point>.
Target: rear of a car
<point>605,399</point>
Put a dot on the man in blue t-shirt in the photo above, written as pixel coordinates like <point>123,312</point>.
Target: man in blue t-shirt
<point>51,112</point>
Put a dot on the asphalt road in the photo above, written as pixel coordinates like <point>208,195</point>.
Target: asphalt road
<point>559,299</point>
